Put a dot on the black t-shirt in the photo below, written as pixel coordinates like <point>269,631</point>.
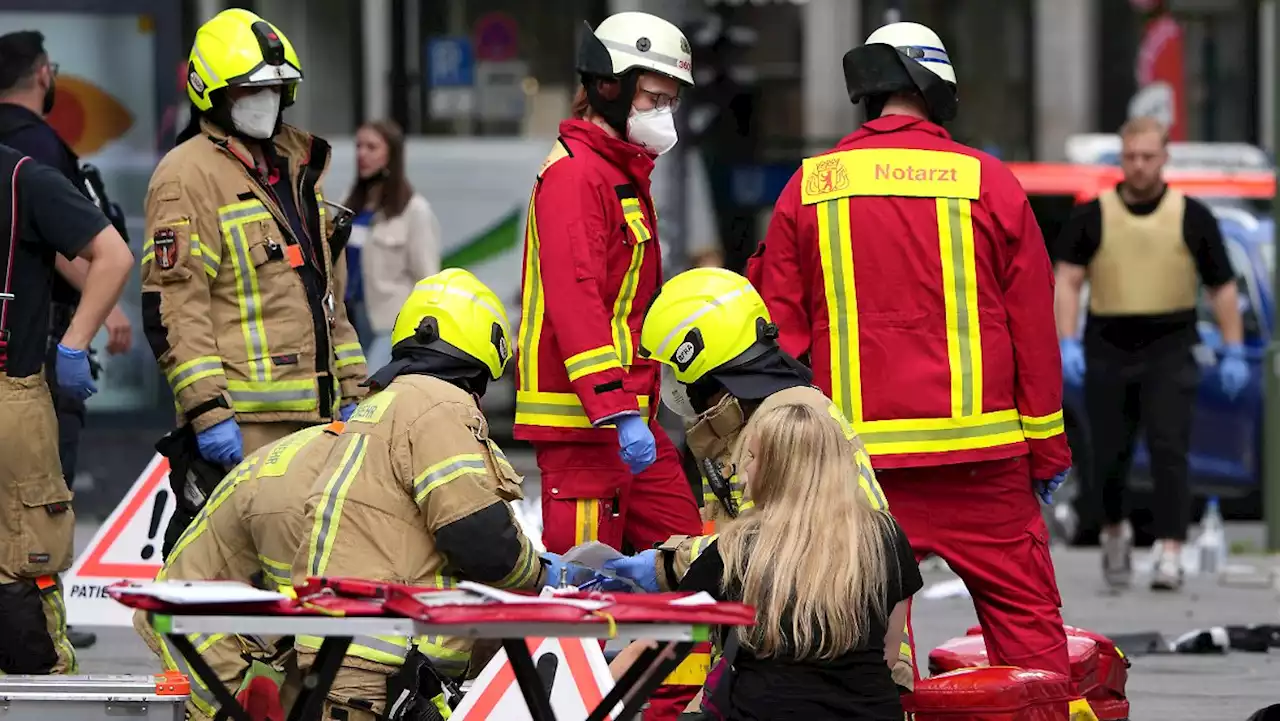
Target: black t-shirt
<point>35,138</point>
<point>856,686</point>
<point>53,217</point>
<point>1078,243</point>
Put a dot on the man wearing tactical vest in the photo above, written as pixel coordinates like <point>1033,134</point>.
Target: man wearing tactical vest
<point>720,364</point>
<point>910,270</point>
<point>242,270</point>
<point>416,492</point>
<point>1145,250</point>
<point>248,531</point>
<point>45,214</point>
<point>592,263</point>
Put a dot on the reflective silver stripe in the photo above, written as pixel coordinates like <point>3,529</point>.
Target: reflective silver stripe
<point>198,685</point>
<point>207,67</point>
<point>381,645</point>
<point>647,55</point>
<point>250,312</point>
<point>348,353</point>
<point>201,367</point>
<point>272,396</point>
<point>710,306</point>
<point>424,483</point>
<point>339,490</point>
<point>231,216</point>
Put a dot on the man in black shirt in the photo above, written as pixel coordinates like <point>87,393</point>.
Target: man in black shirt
<point>1146,250</point>
<point>27,81</point>
<point>45,215</point>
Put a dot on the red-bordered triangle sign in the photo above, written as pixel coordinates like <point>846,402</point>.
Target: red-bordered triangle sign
<point>581,680</point>
<point>138,507</point>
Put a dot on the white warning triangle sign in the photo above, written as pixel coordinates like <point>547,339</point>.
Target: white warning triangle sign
<point>127,546</point>
<point>578,674</point>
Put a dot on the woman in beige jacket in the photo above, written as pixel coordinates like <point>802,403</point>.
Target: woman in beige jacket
<point>395,238</point>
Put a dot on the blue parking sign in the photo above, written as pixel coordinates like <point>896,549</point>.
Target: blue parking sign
<point>450,62</point>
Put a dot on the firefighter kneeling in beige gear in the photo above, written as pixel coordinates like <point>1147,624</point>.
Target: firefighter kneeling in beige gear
<point>414,492</point>
<point>248,530</point>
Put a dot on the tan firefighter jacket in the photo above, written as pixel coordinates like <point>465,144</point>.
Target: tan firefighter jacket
<point>239,315</point>
<point>416,493</point>
<point>248,531</point>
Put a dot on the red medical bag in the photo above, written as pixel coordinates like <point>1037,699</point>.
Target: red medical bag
<point>970,651</point>
<point>1000,693</point>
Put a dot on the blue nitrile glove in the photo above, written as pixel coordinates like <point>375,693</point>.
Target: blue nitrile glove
<point>575,575</point>
<point>1045,489</point>
<point>1233,371</point>
<point>639,450</point>
<point>344,413</point>
<point>1072,360</point>
<point>222,443</point>
<point>641,568</point>
<point>75,376</point>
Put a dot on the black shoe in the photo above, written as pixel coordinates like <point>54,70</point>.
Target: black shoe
<point>81,639</point>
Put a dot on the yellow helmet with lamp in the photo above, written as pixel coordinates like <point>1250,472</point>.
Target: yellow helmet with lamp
<point>709,327</point>
<point>237,48</point>
<point>454,313</point>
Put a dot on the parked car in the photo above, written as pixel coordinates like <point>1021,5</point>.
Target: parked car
<point>1226,452</point>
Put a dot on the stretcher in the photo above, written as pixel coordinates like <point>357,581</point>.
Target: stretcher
<point>340,609</point>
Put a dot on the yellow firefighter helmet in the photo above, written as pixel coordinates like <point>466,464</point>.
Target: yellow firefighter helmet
<point>702,320</point>
<point>453,312</point>
<point>239,49</point>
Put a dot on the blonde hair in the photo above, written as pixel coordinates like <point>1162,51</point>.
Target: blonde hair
<point>1144,124</point>
<point>811,554</point>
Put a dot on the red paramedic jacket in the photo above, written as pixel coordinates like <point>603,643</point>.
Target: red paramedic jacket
<point>912,272</point>
<point>591,266</point>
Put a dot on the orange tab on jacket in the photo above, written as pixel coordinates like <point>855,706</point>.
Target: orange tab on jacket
<point>293,253</point>
<point>45,583</point>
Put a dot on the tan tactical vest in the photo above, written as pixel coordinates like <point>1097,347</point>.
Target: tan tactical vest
<point>1143,265</point>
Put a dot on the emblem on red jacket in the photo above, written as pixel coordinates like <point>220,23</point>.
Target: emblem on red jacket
<point>165,242</point>
<point>827,177</point>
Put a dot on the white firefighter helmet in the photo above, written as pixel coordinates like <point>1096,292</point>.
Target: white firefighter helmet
<point>640,40</point>
<point>918,43</point>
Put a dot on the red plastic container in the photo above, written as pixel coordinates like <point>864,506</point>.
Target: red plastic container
<point>970,651</point>
<point>1000,693</point>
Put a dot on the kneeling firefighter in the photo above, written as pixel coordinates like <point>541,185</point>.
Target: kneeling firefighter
<point>248,531</point>
<point>415,492</point>
<point>712,334</point>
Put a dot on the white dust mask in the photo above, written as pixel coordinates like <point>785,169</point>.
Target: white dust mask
<point>654,130</point>
<point>255,115</point>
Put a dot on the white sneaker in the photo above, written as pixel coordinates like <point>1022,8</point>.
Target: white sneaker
<point>1167,573</point>
<point>1117,556</point>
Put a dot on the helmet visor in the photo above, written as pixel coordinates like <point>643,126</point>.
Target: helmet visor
<point>675,395</point>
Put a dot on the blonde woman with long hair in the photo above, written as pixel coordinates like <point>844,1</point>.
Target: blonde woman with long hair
<point>829,577</point>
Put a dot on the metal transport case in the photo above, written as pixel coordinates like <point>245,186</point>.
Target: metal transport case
<point>89,698</point>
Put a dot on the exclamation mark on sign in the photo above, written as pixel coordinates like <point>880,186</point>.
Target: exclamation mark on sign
<point>157,512</point>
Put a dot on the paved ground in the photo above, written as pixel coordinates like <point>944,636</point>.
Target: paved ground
<point>1161,687</point>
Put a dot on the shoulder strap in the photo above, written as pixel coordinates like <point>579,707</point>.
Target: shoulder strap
<point>719,694</point>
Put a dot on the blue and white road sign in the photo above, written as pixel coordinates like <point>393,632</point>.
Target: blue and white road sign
<point>450,62</point>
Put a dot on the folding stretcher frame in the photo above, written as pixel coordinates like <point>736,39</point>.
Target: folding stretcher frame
<point>676,628</point>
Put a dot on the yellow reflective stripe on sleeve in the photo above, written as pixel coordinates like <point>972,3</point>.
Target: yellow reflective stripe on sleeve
<point>325,529</point>
<point>935,435</point>
<point>867,481</point>
<point>835,246</point>
<point>526,569</point>
<point>622,307</point>
<point>262,396</point>
<point>586,521</point>
<point>445,471</point>
<point>193,370</point>
<point>500,458</point>
<point>279,574</point>
<point>208,259</point>
<point>560,410</point>
<point>1042,427</point>
<point>532,305</point>
<point>960,298</point>
<point>250,302</point>
<point>592,361</point>
<point>634,216</point>
<point>698,544</point>
<point>348,354</point>
<point>449,661</point>
<point>692,671</point>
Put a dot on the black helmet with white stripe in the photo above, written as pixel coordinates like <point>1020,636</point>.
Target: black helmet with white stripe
<point>902,57</point>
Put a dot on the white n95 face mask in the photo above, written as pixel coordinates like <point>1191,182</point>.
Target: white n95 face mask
<point>654,130</point>
<point>255,115</point>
